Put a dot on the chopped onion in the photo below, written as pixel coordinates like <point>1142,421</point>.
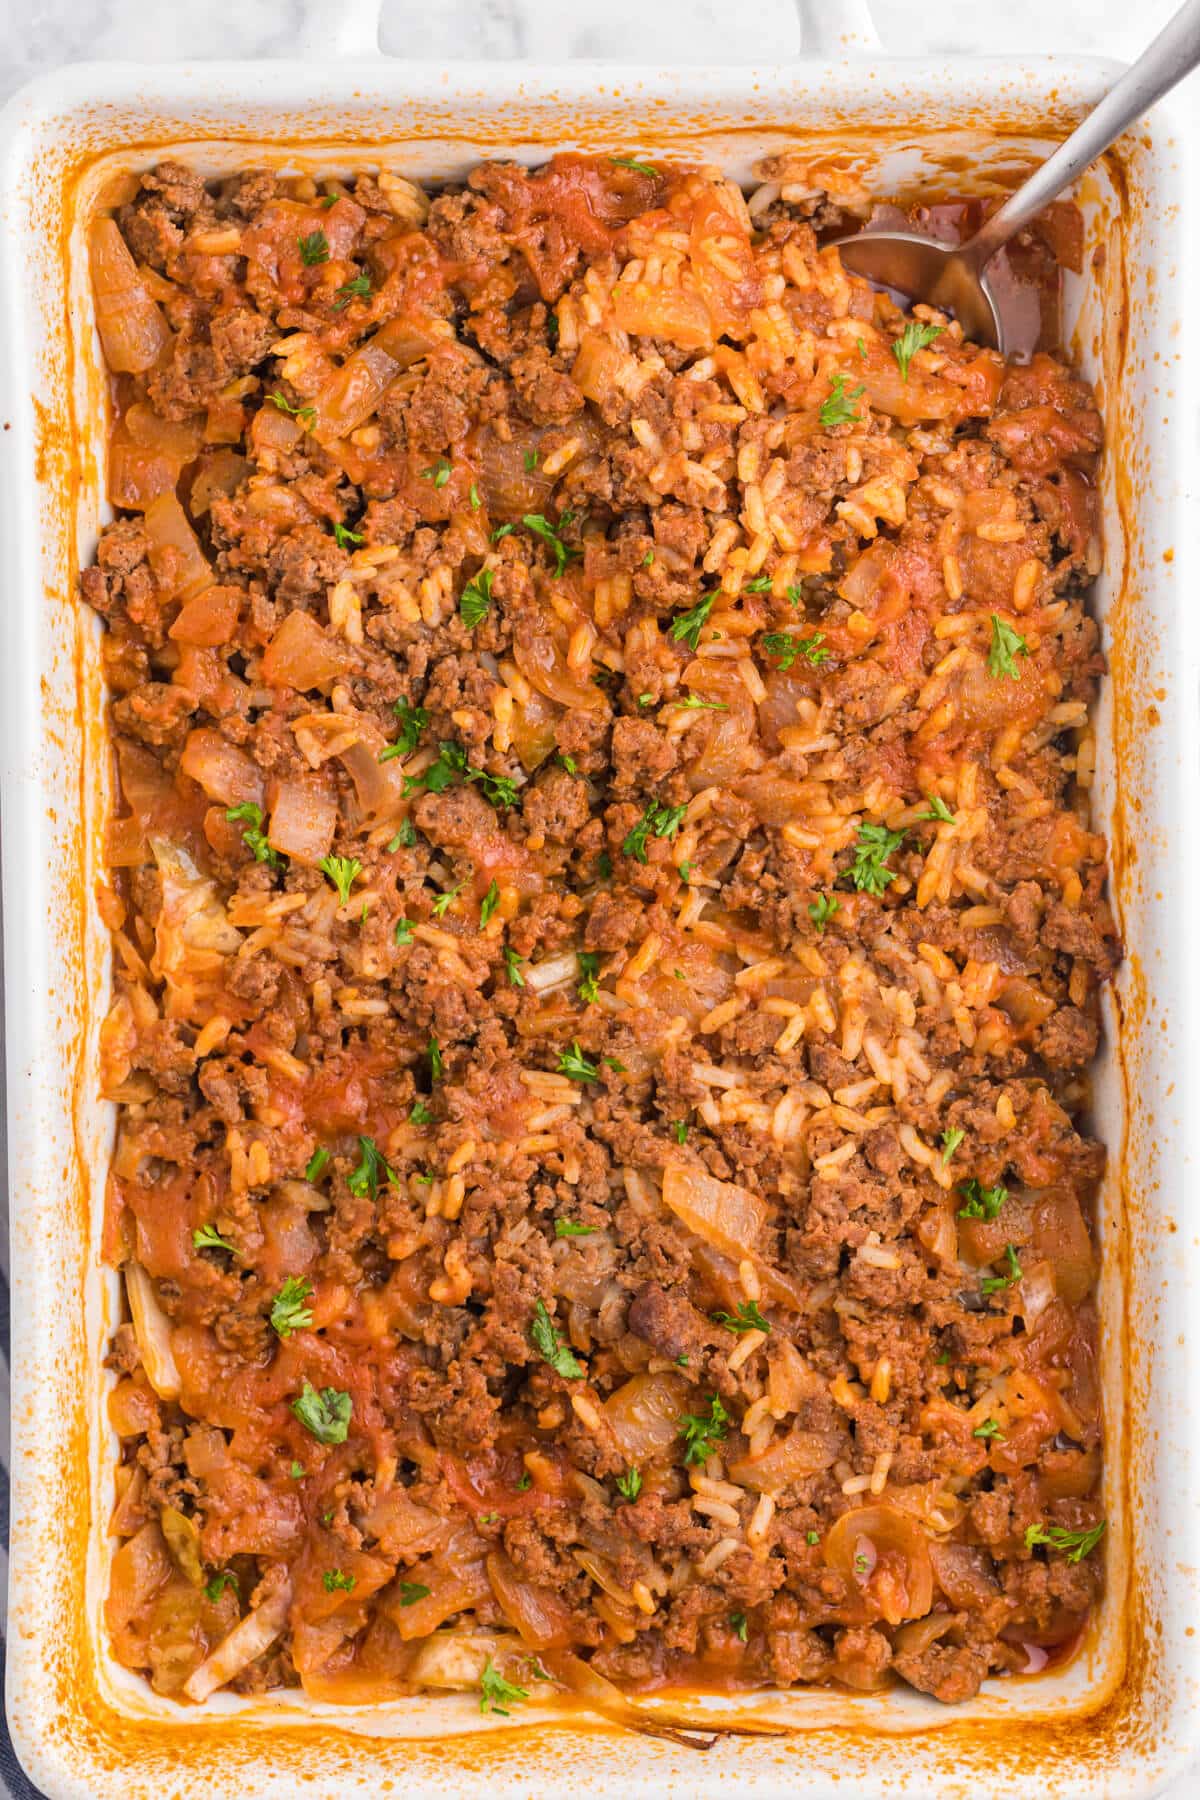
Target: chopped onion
<point>1037,1658</point>
<point>556,971</point>
<point>225,773</point>
<point>535,1611</point>
<point>208,618</point>
<point>302,655</point>
<point>153,1332</point>
<point>175,554</point>
<point>132,329</point>
<point>644,1413</point>
<point>349,399</point>
<point>725,1215</point>
<point>792,1458</point>
<point>303,819</point>
<point>244,1645</point>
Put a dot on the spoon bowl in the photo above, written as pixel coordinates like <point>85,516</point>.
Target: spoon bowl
<point>920,268</point>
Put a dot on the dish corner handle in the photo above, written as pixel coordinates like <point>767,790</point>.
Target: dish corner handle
<point>833,28</point>
<point>338,28</point>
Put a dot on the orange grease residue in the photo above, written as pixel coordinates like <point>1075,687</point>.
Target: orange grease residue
<point>964,1756</point>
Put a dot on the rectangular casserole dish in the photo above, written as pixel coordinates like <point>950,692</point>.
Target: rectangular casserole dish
<point>1119,1719</point>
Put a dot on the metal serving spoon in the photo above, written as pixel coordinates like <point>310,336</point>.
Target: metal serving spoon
<point>954,277</point>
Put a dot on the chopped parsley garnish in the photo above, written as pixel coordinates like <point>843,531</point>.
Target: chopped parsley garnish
<point>629,1485</point>
<point>952,1137</point>
<point>413,720</point>
<point>326,1414</point>
<point>822,909</point>
<point>443,902</point>
<point>343,872</point>
<point>572,1228</point>
<point>314,249</point>
<point>497,790</point>
<point>992,1284</point>
<point>254,837</point>
<point>589,968</point>
<point>450,764</point>
<point>496,1694</point>
<point>358,289</point>
<point>761,584</point>
<point>317,1163</point>
<point>438,472</point>
<point>288,1311</point>
<point>679,1127</point>
<point>787,647</point>
<point>476,598</point>
<point>740,1625</point>
<point>406,836</point>
<point>412,1591</point>
<point>216,1587</point>
<point>981,1202</point>
<point>687,626</point>
<point>550,1346</point>
<point>701,1435</point>
<point>693,703</point>
<point>403,932</point>
<point>541,527</point>
<point>1007,645</point>
<point>648,560</point>
<point>297,1471</point>
<point>306,414</point>
<point>574,1063</point>
<point>746,1318</point>
<point>837,410</point>
<point>568,762</point>
<point>334,1581</point>
<point>869,871</point>
<point>525,1483</point>
<point>812,1537</point>
<point>937,810</point>
<point>1076,1544</point>
<point>862,1563</point>
<point>631,162</point>
<point>989,1432</point>
<point>530,460</point>
<point>489,903</point>
<point>512,963</point>
<point>343,537</point>
<point>207,1237</point>
<point>473,497</point>
<point>914,337</point>
<point>657,821</point>
<point>371,1168</point>
<point>437,1062</point>
<point>420,1114</point>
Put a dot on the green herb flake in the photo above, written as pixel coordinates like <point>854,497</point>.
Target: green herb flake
<point>297,1471</point>
<point>476,599</point>
<point>702,1433</point>
<point>437,1062</point>
<point>512,963</point>
<point>207,1237</point>
<point>420,1114</point>
<point>632,162</point>
<point>740,1625</point>
<point>343,537</point>
<point>412,1591</point>
<point>488,904</point>
<point>914,337</point>
<point>402,933</point>
<point>980,1202</point>
<point>679,1127</point>
<point>746,1318</point>
<point>371,1169</point>
<point>629,1485</point>
<point>787,647</point>
<point>822,909</point>
<point>307,415</point>
<point>550,1346</point>
<point>657,821</point>
<point>869,871</point>
<point>473,497</point>
<point>589,970</point>
<point>1075,1544</point>
<point>687,626</point>
<point>442,904</point>
<point>358,289</point>
<point>569,1228</point>
<point>989,1433</point>
<point>525,1483</point>
<point>343,872</point>
<point>438,472</point>
<point>496,1694</point>
<point>937,810</point>
<point>952,1137</point>
<point>288,1311</point>
<point>693,703</point>
<point>317,1164</point>
<point>413,720</point>
<point>216,1587</point>
<point>812,1538</point>
<point>1007,645</point>
<point>574,1063</point>
<point>837,409</point>
<point>254,837</point>
<point>314,249</point>
<point>335,1581</point>
<point>325,1414</point>
<point>530,460</point>
<point>992,1284</point>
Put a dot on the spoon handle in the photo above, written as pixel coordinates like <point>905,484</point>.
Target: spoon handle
<point>1174,53</point>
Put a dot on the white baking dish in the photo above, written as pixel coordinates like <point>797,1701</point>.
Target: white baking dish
<point>1126,1713</point>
